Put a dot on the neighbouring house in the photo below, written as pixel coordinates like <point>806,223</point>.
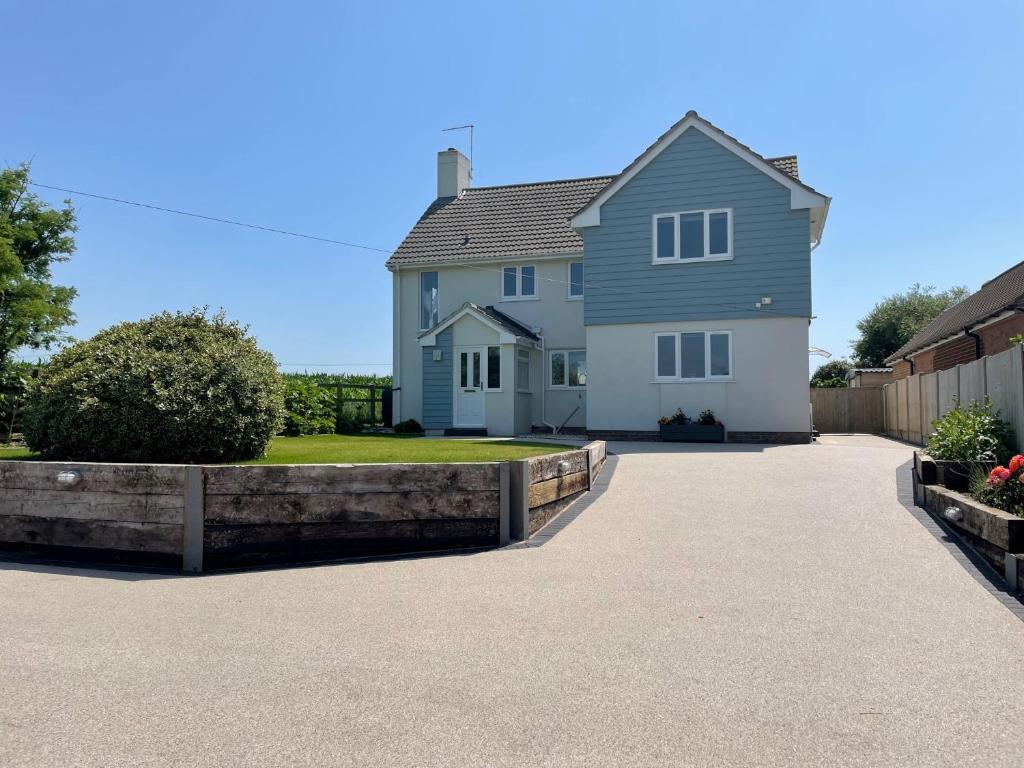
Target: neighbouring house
<point>868,377</point>
<point>982,324</point>
<point>600,304</point>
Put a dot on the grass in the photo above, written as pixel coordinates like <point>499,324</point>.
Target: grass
<point>383,449</point>
<point>7,452</point>
<point>376,449</point>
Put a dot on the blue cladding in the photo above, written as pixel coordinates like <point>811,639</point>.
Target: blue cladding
<point>771,243</point>
<point>437,383</point>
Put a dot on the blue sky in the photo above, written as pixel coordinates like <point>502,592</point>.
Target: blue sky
<point>325,118</point>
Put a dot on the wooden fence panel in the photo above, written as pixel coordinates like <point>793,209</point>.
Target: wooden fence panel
<point>890,409</point>
<point>949,390</point>
<point>901,409</point>
<point>1004,378</point>
<point>914,408</point>
<point>972,382</point>
<point>848,410</point>
<point>929,402</point>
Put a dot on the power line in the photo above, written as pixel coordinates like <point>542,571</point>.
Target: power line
<point>211,218</point>
<point>347,244</point>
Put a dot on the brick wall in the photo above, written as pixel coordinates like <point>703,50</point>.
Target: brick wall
<point>955,352</point>
<point>900,370</point>
<point>995,338</point>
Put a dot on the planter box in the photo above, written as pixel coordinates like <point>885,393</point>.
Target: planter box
<point>1001,529</point>
<point>693,433</point>
<point>953,475</point>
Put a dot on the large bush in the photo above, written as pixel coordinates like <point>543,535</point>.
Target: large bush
<point>970,434</point>
<point>309,407</point>
<point>181,387</point>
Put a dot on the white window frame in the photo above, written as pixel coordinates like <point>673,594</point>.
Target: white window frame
<point>678,335</point>
<point>564,353</point>
<point>708,256</point>
<point>519,283</point>
<point>520,353</point>
<point>569,296</point>
<point>419,286</point>
<point>485,379</point>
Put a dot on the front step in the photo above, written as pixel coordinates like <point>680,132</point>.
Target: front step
<point>465,432</point>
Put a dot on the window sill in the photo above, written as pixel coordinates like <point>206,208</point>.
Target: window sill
<point>714,380</point>
<point>719,257</point>
<point>520,298</point>
<point>574,298</point>
<point>556,388</point>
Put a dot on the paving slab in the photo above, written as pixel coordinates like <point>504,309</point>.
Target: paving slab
<point>715,606</point>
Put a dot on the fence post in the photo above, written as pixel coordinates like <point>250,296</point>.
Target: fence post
<point>339,406</point>
<point>519,495</point>
<point>504,502</point>
<point>194,517</point>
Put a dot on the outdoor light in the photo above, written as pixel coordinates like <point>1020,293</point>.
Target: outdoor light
<point>68,477</point>
<point>954,513</point>
<point>437,355</point>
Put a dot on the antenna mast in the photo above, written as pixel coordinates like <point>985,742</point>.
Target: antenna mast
<point>470,126</point>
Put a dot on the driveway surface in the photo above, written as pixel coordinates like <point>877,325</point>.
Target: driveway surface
<point>716,606</point>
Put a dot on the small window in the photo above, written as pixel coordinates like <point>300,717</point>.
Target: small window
<point>575,279</point>
<point>693,236</point>
<point>519,282</point>
<point>523,370</point>
<point>666,352</point>
<point>696,356</point>
<point>494,368</point>
<point>428,300</point>
<point>568,368</point>
<point>476,370</point>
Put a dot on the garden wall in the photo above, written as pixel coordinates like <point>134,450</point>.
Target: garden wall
<point>208,517</point>
<point>545,485</point>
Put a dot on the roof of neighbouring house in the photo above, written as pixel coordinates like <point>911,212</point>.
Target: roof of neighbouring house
<point>1000,294</point>
<point>854,371</point>
<point>488,313</point>
<point>517,220</point>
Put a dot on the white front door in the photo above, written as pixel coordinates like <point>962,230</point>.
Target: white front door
<point>469,391</point>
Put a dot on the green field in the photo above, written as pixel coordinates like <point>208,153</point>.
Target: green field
<point>378,449</point>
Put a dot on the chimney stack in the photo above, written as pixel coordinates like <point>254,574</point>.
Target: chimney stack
<point>453,173</point>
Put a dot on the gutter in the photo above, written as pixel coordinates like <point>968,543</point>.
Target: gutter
<point>543,388</point>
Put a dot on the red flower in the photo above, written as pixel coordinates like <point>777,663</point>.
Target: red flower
<point>998,476</point>
<point>1016,463</point>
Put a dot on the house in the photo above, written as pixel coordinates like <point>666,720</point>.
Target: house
<point>982,324</point>
<point>600,304</point>
<point>868,377</point>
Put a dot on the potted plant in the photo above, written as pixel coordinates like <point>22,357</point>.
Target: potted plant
<point>680,428</point>
<point>969,439</point>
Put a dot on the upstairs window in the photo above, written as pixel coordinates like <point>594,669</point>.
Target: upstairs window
<point>428,300</point>
<point>692,236</point>
<point>575,279</point>
<point>519,282</point>
<point>696,356</point>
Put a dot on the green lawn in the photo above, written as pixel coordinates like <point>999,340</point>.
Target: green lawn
<point>378,449</point>
<point>381,449</point>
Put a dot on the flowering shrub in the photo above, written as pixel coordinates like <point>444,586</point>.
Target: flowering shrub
<point>676,418</point>
<point>707,418</point>
<point>1003,487</point>
<point>972,434</point>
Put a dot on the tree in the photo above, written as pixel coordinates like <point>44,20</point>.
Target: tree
<point>832,374</point>
<point>895,319</point>
<point>33,237</point>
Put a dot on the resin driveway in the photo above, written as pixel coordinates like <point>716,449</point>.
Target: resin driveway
<point>715,606</point>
